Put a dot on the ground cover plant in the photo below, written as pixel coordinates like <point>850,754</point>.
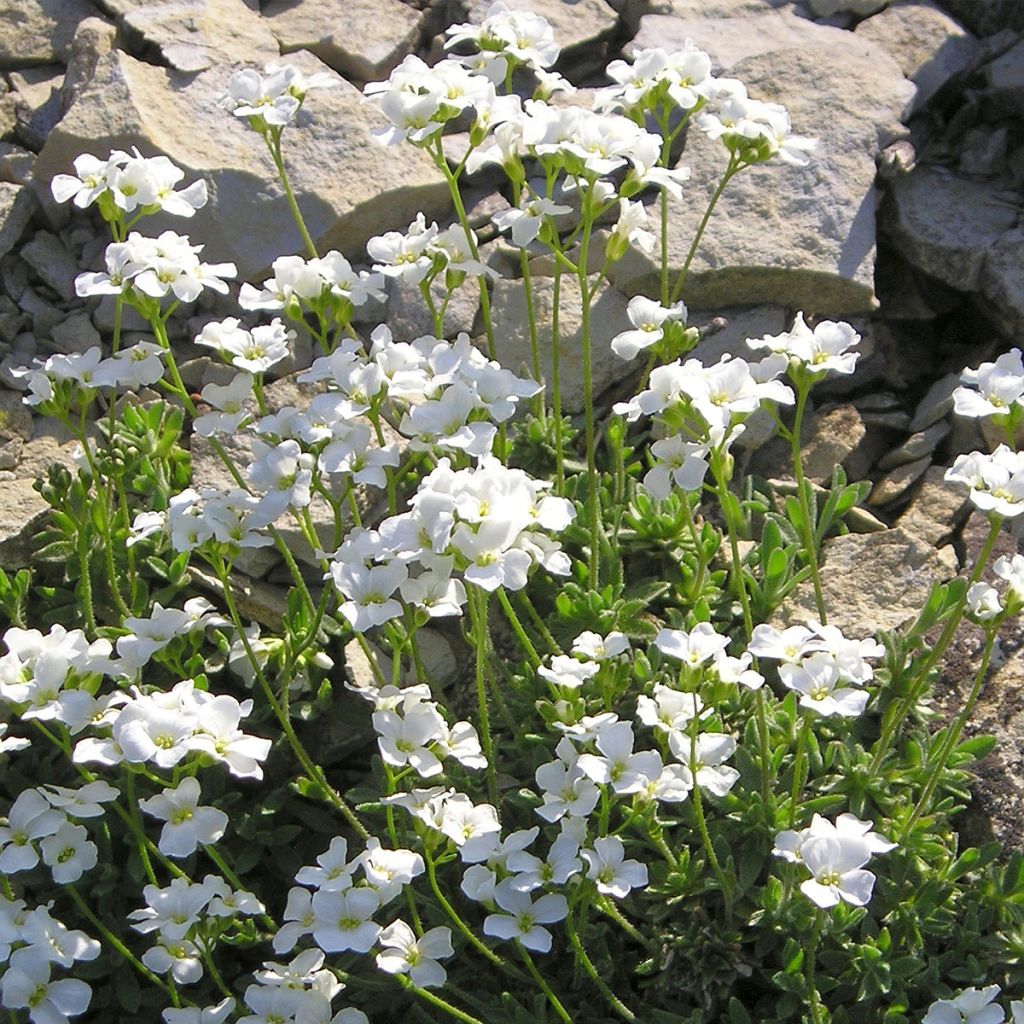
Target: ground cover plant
<point>650,801</point>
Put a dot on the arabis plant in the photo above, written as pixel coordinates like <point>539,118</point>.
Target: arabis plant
<point>647,794</point>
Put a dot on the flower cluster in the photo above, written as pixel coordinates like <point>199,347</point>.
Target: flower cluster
<point>273,99</point>
<point>821,665</point>
<point>835,854</point>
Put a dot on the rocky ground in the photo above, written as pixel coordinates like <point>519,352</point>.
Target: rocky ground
<point>907,223</point>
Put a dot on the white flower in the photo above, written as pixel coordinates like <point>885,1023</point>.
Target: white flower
<point>983,601</point>
<point>597,648</point>
<point>625,771</point>
<point>188,824</point>
<point>647,318</point>
<point>817,680</point>
<point>26,984</point>
<point>403,953</point>
<point>68,853</point>
<point>996,388</point>
<point>971,1006</point>
<point>821,350</point>
<point>996,481</point>
<point>836,865</point>
<point>201,1015</point>
<point>608,867</point>
<point>568,672</point>
<point>708,769</point>
<point>29,818</point>
<point>524,917</point>
<point>342,920</point>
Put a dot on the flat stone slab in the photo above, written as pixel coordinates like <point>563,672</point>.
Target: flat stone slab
<point>348,185</point>
<point>361,39</point>
<point>802,237</point>
<point>39,31</point>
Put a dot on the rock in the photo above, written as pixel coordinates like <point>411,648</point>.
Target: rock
<point>814,246</point>
<point>726,333</point>
<point>37,102</point>
<point>360,39</point>
<point>76,334</point>
<point>38,31</point>
<point>15,418</point>
<point>1005,77</point>
<point>256,601</point>
<point>10,452</point>
<point>575,22</point>
<point>714,8</point>
<point>871,582</point>
<point>936,509</point>
<point>94,38</point>
<point>16,164</point>
<point>512,333</point>
<point>897,482</point>
<point>987,18</point>
<point>917,446</point>
<point>1002,282</point>
<point>929,45</point>
<point>408,317</point>
<point>22,514</point>
<point>830,8</point>
<point>983,153</point>
<point>17,204</point>
<point>192,35</point>
<point>937,402</point>
<point>349,187</point>
<point>47,255</point>
<point>946,225</point>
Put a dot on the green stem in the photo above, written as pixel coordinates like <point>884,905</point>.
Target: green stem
<point>798,768</point>
<point>113,941</point>
<point>581,955</point>
<point>556,387</point>
<point>453,914</point>
<point>235,882</point>
<point>810,543</point>
<point>538,623</point>
<point>478,616</point>
<point>812,952</point>
<point>953,734</point>
<point>313,770</point>
<point>273,139</point>
<point>916,687</point>
<point>702,825</point>
<point>593,482</point>
<point>531,314</point>
<point>543,985</point>
<point>731,168</point>
<point>606,906</point>
<point>440,1003</point>
<point>517,628</point>
<point>732,529</point>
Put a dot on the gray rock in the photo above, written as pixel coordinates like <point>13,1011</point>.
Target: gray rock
<point>409,318</point>
<point>76,334</point>
<point>937,402</point>
<point>936,509</point>
<point>10,452</point>
<point>17,204</point>
<point>361,39</point>
<point>983,153</point>
<point>1006,78</point>
<point>917,446</point>
<point>727,333</point>
<point>193,35</point>
<point>37,101</point>
<point>830,8</point>
<point>945,225</point>
<point>94,38</point>
<point>575,22</point>
<point>871,582</point>
<point>256,601</point>
<point>22,514</point>
<point>38,31</point>
<point>15,418</point>
<point>511,328</point>
<point>47,255</point>
<point>16,164</point>
<point>814,245</point>
<point>929,45</point>
<point>349,187</point>
<point>895,484</point>
<point>1002,282</point>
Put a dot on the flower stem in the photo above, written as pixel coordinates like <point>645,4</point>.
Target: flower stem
<point>702,825</point>
<point>556,390</point>
<point>113,941</point>
<point>805,506</point>
<point>953,734</point>
<point>517,628</point>
<point>440,1003</point>
<point>916,688</point>
<point>581,955</point>
<point>478,615</point>
<point>543,985</point>
<point>731,168</point>
<point>531,313</point>
<point>273,139</point>
<point>812,952</point>
<point>798,768</point>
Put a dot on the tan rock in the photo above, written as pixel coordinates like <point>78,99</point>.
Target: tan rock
<point>871,582</point>
<point>17,205</point>
<point>937,507</point>
<point>38,31</point>
<point>797,236</point>
<point>898,481</point>
<point>574,23</point>
<point>512,332</point>
<point>361,39</point>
